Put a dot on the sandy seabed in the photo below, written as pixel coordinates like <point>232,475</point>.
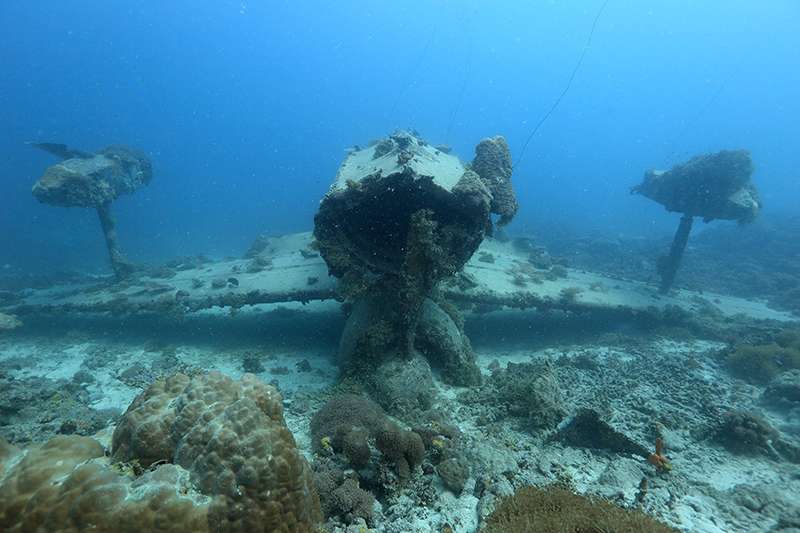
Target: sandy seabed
<point>635,379</point>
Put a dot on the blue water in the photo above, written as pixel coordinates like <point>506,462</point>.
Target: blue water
<point>246,107</point>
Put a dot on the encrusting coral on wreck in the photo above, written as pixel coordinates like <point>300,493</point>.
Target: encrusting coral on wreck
<point>189,455</point>
<point>95,180</point>
<point>493,164</point>
<point>711,186</point>
<point>400,217</point>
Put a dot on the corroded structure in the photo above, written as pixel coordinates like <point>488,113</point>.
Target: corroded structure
<point>711,186</point>
<point>95,181</point>
<point>401,216</point>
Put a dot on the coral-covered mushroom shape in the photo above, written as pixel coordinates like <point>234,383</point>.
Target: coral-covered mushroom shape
<point>711,186</point>
<point>95,180</point>
<point>400,217</point>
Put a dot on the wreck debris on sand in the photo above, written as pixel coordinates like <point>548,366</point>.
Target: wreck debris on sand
<point>711,186</point>
<point>94,181</point>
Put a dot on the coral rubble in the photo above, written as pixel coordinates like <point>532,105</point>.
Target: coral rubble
<point>34,409</point>
<point>529,391</point>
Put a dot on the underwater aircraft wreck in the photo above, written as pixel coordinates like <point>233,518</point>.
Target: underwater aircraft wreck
<point>95,180</point>
<point>400,216</point>
<point>402,244</point>
<point>711,186</point>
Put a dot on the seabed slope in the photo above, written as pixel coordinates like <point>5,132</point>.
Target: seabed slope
<point>613,345</point>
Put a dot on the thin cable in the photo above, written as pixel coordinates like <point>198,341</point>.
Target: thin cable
<point>566,88</point>
<point>460,98</point>
<point>694,120</point>
<point>413,72</point>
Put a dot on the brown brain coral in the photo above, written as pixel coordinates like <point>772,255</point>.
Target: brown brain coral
<point>68,485</point>
<point>232,465</point>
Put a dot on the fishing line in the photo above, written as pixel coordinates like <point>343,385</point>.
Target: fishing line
<point>467,75</point>
<point>566,87</point>
<point>413,72</point>
<point>695,120</point>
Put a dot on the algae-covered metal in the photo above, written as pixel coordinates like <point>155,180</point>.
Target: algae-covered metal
<point>94,181</point>
<point>711,186</point>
